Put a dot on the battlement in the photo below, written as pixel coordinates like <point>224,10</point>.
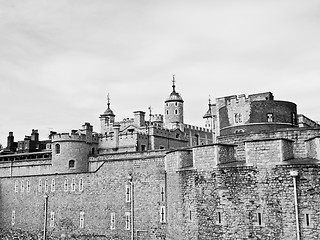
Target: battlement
<point>68,137</point>
<point>242,98</point>
<point>73,137</point>
<point>191,127</point>
<point>157,118</point>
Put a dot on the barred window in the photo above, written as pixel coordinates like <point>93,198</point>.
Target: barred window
<point>40,186</point>
<point>81,220</point>
<point>53,185</point>
<point>73,185</point>
<point>128,193</point>
<point>128,220</point>
<point>112,221</point>
<point>13,217</point>
<point>46,185</point>
<point>162,214</point>
<point>22,186</point>
<point>65,185</point>
<point>52,219</point>
<point>28,186</point>
<point>16,184</point>
<point>80,185</point>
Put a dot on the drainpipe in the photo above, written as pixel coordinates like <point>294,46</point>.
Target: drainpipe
<point>45,217</point>
<point>294,174</point>
<point>131,207</point>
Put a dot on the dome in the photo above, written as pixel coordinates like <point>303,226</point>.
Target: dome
<point>174,97</point>
<point>108,112</point>
<point>208,114</point>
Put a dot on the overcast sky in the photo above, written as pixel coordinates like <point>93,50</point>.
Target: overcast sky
<point>59,59</point>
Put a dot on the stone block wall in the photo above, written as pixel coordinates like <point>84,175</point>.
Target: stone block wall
<point>268,151</point>
<point>313,147</point>
<point>247,203</point>
<point>103,194</point>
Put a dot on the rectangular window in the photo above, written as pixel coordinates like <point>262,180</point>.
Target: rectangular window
<point>46,185</point>
<point>53,185</point>
<point>65,185</point>
<point>73,185</point>
<point>270,117</point>
<point>219,218</point>
<point>40,186</point>
<point>259,219</point>
<point>52,219</point>
<point>307,221</point>
<point>80,185</point>
<point>162,214</point>
<point>112,221</point>
<point>22,186</point>
<point>81,220</point>
<point>16,184</point>
<point>128,220</point>
<point>162,192</point>
<point>28,186</point>
<point>13,217</point>
<point>128,193</point>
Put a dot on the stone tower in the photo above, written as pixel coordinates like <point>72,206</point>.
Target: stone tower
<point>70,152</point>
<point>173,109</point>
<point>107,119</point>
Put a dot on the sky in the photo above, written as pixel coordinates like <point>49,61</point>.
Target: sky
<point>59,59</point>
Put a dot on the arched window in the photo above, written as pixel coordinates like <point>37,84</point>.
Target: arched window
<point>71,164</point>
<point>57,148</point>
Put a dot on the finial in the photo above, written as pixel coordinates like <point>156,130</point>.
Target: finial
<point>108,98</point>
<point>173,83</point>
<point>150,110</point>
<point>209,100</point>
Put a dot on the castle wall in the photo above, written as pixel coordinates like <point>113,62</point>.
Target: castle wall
<point>299,136</point>
<point>23,168</point>
<point>254,201</point>
<point>103,193</point>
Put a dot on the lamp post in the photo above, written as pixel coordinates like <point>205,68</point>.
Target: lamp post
<point>294,174</point>
<point>45,217</point>
<point>131,206</point>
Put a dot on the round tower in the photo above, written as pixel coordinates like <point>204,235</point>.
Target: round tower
<point>70,153</point>
<point>173,109</point>
<point>107,119</point>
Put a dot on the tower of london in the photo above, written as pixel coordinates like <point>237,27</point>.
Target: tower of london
<point>250,172</point>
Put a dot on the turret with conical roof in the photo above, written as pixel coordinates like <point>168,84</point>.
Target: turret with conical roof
<point>107,118</point>
<point>173,109</point>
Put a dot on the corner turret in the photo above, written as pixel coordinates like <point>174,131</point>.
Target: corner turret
<point>107,119</point>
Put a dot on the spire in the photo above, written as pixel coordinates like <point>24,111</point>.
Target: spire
<point>108,111</point>
<point>173,83</point>
<point>108,99</point>
<point>209,113</point>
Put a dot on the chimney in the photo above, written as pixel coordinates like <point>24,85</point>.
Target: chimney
<point>35,135</point>
<point>116,129</point>
<point>10,142</point>
<point>139,118</point>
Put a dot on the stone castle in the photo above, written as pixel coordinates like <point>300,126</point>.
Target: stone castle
<point>252,172</point>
